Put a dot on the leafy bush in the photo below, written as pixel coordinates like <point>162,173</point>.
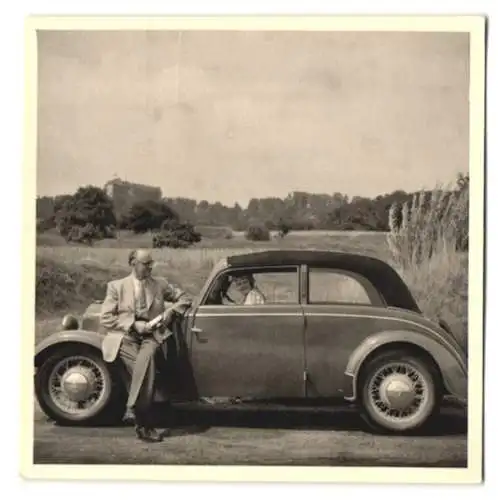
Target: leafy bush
<point>257,232</point>
<point>283,228</point>
<point>111,232</point>
<point>64,286</point>
<point>147,216</point>
<point>175,234</point>
<point>86,234</point>
<point>46,224</point>
<point>86,216</point>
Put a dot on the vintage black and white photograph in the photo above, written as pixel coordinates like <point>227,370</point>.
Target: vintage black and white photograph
<point>253,245</point>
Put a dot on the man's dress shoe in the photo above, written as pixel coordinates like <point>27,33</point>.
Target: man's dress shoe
<point>148,434</point>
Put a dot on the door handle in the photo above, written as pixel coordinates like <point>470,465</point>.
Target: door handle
<point>196,331</point>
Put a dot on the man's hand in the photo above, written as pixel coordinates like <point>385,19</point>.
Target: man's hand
<point>141,327</point>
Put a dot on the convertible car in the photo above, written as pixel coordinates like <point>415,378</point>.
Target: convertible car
<point>326,327</point>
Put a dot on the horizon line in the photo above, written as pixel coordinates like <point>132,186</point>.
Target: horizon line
<point>438,186</point>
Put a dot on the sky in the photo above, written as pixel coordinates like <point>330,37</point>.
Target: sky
<point>227,116</point>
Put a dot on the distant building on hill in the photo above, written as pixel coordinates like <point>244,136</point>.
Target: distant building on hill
<point>124,194</point>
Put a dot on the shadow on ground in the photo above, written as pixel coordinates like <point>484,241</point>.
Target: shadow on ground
<point>451,421</point>
<point>446,424</point>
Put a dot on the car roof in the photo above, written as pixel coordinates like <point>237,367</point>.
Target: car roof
<point>378,272</point>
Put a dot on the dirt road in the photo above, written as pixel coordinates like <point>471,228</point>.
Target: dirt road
<point>240,437</point>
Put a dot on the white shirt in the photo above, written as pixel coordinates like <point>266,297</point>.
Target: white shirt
<point>254,297</point>
<point>137,285</point>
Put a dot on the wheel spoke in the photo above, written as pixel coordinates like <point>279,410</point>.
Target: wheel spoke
<point>405,384</point>
<point>83,369</point>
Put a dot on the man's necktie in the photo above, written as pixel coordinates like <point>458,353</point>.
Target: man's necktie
<point>142,299</point>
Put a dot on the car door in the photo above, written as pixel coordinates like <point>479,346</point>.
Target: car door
<point>252,351</point>
<point>339,309</point>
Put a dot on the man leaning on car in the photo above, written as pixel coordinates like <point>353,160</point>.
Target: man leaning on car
<point>130,304</point>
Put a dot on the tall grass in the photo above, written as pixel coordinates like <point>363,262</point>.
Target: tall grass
<point>70,277</point>
<point>427,245</point>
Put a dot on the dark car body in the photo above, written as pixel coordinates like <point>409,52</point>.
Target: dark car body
<point>304,344</point>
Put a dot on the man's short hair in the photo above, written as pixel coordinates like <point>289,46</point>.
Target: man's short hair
<point>132,256</point>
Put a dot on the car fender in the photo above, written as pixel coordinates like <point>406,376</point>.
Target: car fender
<point>48,344</point>
<point>450,362</point>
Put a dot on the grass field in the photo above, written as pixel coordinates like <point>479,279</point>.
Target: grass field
<point>310,239</point>
<point>69,277</point>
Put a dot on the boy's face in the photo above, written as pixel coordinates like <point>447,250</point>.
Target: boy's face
<point>242,284</point>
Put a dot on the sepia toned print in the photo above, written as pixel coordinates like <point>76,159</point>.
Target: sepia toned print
<point>253,249</point>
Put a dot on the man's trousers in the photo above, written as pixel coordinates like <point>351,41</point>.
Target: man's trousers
<point>139,357</point>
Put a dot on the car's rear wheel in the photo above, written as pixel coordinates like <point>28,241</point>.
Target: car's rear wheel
<point>75,385</point>
<point>399,391</point>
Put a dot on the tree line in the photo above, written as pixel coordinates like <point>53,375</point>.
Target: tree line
<point>89,214</point>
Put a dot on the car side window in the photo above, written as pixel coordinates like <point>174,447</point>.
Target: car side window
<point>257,287</point>
<point>327,286</point>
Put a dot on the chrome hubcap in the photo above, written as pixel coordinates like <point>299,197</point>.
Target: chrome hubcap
<point>76,385</point>
<point>398,392</point>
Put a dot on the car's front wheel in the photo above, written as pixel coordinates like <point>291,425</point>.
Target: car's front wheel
<point>399,391</point>
<point>75,386</point>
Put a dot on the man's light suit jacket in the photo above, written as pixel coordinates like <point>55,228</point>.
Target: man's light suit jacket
<point>118,309</point>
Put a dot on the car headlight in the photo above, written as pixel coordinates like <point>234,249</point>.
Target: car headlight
<point>70,322</point>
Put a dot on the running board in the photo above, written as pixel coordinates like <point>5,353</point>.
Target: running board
<point>217,404</point>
